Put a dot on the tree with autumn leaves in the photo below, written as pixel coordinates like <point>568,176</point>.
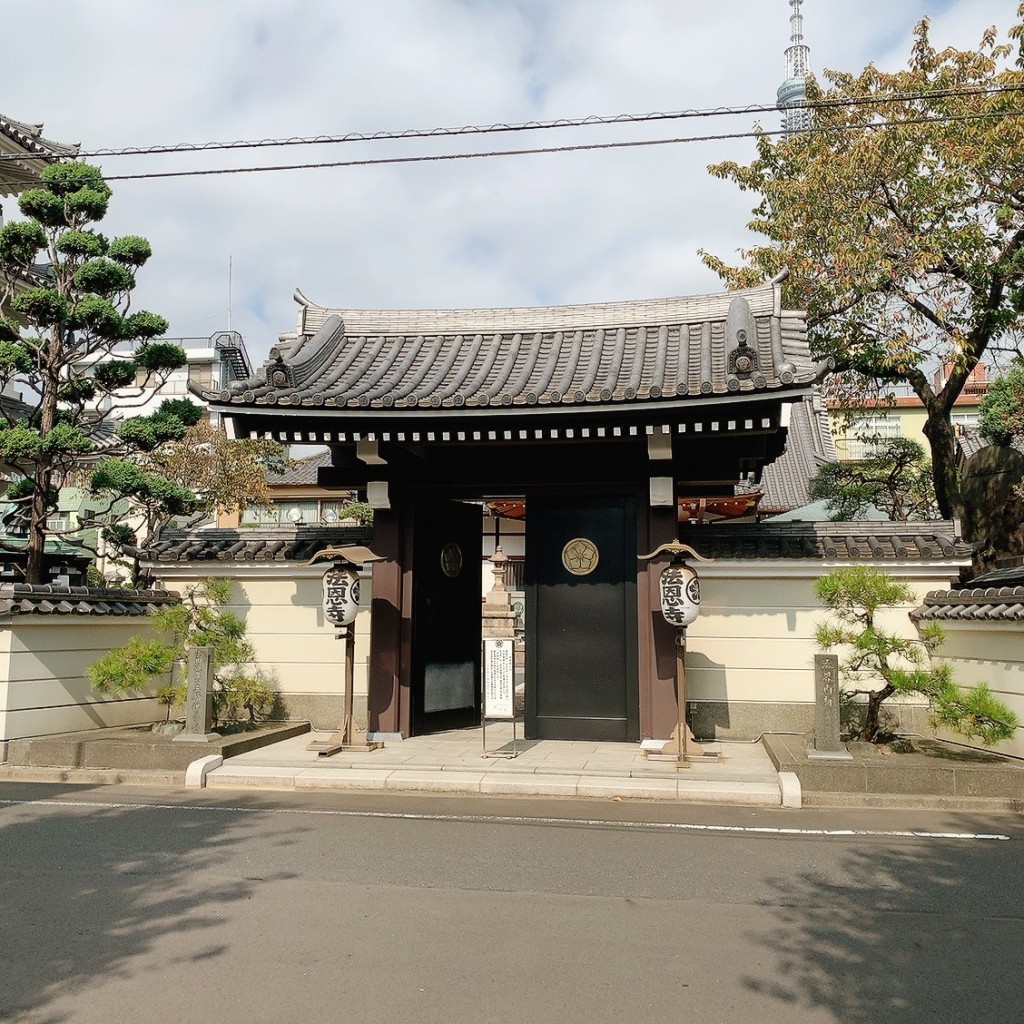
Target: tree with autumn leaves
<point>221,474</point>
<point>900,216</point>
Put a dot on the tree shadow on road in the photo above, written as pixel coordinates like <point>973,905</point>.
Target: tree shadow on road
<point>913,931</point>
<point>87,890</point>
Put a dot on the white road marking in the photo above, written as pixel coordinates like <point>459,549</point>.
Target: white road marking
<point>508,819</point>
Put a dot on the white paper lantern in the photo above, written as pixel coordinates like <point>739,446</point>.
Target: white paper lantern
<point>680,595</point>
<point>341,596</point>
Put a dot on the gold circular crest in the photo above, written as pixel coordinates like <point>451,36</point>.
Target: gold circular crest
<point>451,560</point>
<point>580,556</point>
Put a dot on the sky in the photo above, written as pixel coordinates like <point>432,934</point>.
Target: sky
<point>505,231</point>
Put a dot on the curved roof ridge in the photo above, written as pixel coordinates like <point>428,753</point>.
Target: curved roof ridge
<point>30,137</point>
<point>509,319</point>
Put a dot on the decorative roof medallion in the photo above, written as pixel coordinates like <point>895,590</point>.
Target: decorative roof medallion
<point>451,560</point>
<point>580,556</point>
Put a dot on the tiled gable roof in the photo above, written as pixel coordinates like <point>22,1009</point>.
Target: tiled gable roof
<point>832,542</point>
<point>786,482</point>
<point>302,473</point>
<point>740,344</point>
<point>27,153</point>
<point>256,545</point>
<point>30,138</point>
<point>994,597</point>
<point>49,599</point>
<point>970,442</point>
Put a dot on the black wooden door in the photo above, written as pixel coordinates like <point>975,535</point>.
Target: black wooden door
<point>447,557</point>
<point>581,632</point>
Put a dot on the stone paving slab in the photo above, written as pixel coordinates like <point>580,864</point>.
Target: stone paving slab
<point>454,763</point>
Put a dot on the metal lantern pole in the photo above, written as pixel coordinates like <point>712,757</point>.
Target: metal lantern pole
<point>681,737</point>
<point>340,604</point>
<point>679,588</point>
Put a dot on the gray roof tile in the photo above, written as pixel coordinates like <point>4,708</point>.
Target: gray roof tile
<point>556,356</point>
<point>996,596</point>
<point>49,599</point>
<point>302,473</point>
<point>30,138</point>
<point>298,544</point>
<point>858,541</point>
<point>786,482</point>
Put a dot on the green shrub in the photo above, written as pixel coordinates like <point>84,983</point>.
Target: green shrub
<point>240,693</point>
<point>902,665</point>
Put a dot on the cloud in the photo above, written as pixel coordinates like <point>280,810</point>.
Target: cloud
<point>527,230</point>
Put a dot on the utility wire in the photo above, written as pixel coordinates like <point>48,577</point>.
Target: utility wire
<point>582,147</point>
<point>581,122</point>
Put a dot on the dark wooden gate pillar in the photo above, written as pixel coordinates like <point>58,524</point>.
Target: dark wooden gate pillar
<point>657,638</point>
<point>386,708</point>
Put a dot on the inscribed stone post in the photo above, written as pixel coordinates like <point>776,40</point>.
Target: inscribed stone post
<point>199,703</point>
<point>827,742</point>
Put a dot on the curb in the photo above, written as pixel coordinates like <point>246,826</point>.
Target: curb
<point>94,776</point>
<point>789,784</point>
<point>196,772</point>
<point>440,781</point>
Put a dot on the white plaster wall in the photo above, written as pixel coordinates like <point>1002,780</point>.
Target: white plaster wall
<point>281,606</point>
<point>511,534</point>
<point>754,639</point>
<point>43,686</point>
<point>992,653</point>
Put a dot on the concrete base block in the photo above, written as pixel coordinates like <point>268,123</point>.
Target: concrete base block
<point>746,720</point>
<point>324,711</point>
<point>196,772</point>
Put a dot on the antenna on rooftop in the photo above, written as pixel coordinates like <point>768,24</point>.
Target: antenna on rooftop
<point>229,291</point>
<point>793,91</point>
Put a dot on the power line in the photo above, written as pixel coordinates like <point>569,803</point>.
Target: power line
<point>579,148</point>
<point>526,126</point>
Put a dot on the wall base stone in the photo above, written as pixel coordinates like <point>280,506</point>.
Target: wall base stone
<point>747,720</point>
<point>324,711</point>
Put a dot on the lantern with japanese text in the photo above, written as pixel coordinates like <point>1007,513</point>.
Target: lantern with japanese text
<point>680,595</point>
<point>341,595</point>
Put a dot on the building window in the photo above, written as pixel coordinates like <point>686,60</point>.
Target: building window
<point>964,421</point>
<point>293,512</point>
<point>867,432</point>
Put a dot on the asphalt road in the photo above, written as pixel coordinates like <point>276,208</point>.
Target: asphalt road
<point>136,905</point>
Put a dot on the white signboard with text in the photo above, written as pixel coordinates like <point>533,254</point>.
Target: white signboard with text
<point>499,679</point>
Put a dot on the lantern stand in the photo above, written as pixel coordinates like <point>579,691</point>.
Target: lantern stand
<point>340,605</point>
<point>680,604</point>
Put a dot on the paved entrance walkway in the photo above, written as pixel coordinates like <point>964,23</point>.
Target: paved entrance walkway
<point>453,762</point>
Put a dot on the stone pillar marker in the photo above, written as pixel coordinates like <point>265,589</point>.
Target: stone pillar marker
<point>199,704</point>
<point>827,742</point>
